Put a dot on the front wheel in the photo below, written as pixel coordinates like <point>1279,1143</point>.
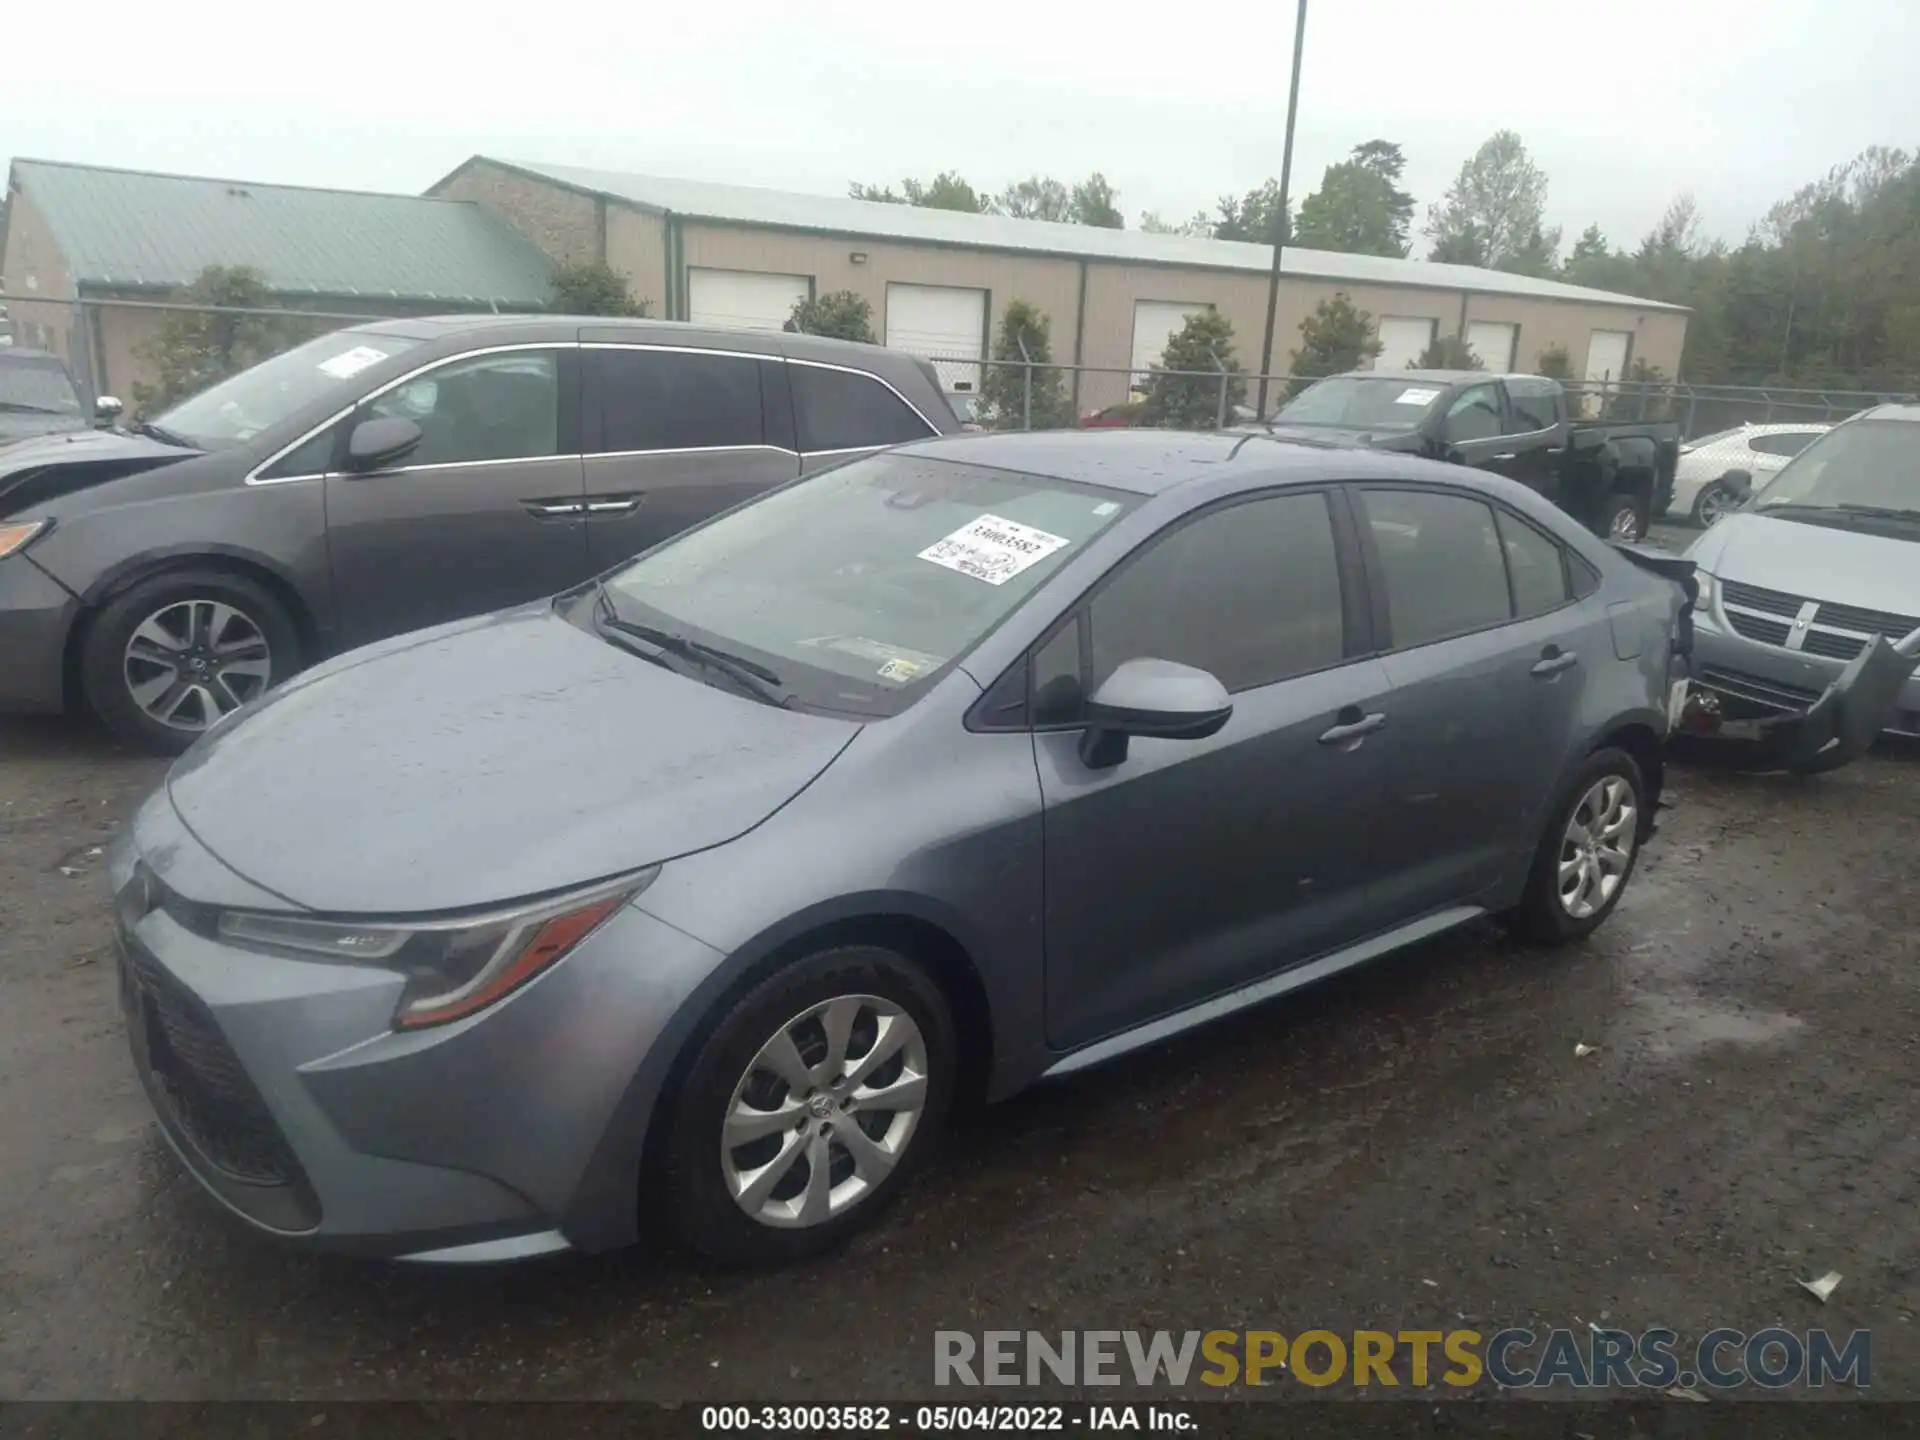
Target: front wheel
<point>1713,504</point>
<point>1587,854</point>
<point>807,1110</point>
<point>167,659</point>
<point>1627,517</point>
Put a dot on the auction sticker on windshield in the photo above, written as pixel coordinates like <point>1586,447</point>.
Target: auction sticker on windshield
<point>1416,396</point>
<point>349,363</point>
<point>992,549</point>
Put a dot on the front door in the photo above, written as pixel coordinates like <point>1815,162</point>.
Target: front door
<point>1196,866</point>
<point>484,513</point>
<point>674,436</point>
<point>1483,700</point>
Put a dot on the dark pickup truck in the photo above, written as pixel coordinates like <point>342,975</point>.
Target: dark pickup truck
<point>1612,478</point>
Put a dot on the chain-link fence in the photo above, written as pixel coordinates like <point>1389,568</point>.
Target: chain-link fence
<point>1706,409</point>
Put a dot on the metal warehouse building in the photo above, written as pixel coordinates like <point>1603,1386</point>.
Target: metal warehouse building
<point>939,280</point>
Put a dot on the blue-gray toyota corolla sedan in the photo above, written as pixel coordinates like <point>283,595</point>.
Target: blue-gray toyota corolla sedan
<point>703,890</point>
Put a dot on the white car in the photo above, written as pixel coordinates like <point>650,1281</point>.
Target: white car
<point>1760,450</point>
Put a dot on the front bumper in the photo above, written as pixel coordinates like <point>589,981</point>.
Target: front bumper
<point>36,615</point>
<point>285,1092</point>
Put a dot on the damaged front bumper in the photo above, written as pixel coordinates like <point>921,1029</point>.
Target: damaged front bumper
<point>1834,730</point>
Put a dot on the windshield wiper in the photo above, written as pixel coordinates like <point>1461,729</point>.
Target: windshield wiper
<point>1839,513</point>
<point>750,675</point>
<point>164,436</point>
<point>1880,512</point>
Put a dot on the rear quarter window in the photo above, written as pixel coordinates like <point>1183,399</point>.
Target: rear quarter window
<point>848,410</point>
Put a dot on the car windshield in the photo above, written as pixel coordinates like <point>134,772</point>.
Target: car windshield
<point>241,406</point>
<point>859,585</point>
<point>1865,465</point>
<point>39,386</point>
<point>1352,402</point>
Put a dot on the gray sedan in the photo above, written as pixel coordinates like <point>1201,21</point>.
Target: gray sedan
<point>703,890</point>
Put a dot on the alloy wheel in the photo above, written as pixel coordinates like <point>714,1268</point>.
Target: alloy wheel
<point>825,1111</point>
<point>192,661</point>
<point>1597,847</point>
<point>1625,524</point>
<point>1714,506</point>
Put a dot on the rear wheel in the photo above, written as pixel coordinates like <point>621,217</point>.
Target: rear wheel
<point>1626,516</point>
<point>1587,854</point>
<point>1712,504</point>
<point>165,660</point>
<point>817,1096</point>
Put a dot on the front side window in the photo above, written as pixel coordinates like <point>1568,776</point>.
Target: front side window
<point>1534,406</point>
<point>1250,593</point>
<point>1473,415</point>
<point>860,583</point>
<point>675,400</point>
<point>1441,561</point>
<point>848,410</point>
<point>241,406</point>
<point>504,406</point>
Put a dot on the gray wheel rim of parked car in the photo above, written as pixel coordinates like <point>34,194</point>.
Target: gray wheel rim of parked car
<point>192,661</point>
<point>1714,504</point>
<point>1597,847</point>
<point>825,1111</point>
<point>1625,524</point>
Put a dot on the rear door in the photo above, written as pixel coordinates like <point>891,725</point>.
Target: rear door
<point>484,513</point>
<point>1487,673</point>
<point>1535,435</point>
<point>675,435</point>
<point>1195,866</point>
<point>839,412</point>
<point>1474,426</point>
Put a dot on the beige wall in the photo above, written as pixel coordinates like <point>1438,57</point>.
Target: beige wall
<point>637,248</point>
<point>562,222</point>
<point>1658,335</point>
<point>33,264</point>
<point>1051,283</point>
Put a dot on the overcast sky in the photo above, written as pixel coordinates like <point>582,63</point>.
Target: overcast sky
<point>1624,103</point>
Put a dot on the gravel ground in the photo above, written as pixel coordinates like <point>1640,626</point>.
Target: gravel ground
<point>1413,1146</point>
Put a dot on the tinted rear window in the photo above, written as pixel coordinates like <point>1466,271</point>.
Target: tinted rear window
<point>673,400</point>
<point>848,410</point>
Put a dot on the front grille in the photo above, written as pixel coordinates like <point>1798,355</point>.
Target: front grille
<point>1869,622</point>
<point>1773,694</point>
<point>1774,602</point>
<point>1757,627</point>
<point>1834,647</point>
<point>205,1088</point>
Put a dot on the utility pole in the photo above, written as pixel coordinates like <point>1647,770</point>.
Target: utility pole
<point>1280,219</point>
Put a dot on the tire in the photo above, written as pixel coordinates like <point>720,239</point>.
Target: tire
<point>1625,516</point>
<point>1543,915</point>
<point>1710,505</point>
<point>241,639</point>
<point>731,1076</point>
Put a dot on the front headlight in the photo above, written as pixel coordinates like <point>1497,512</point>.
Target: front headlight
<point>16,535</point>
<point>453,967</point>
<point>1708,587</point>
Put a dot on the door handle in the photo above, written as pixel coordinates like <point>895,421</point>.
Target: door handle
<point>1552,661</point>
<point>612,507</point>
<point>551,508</point>
<point>1510,455</point>
<point>1354,729</point>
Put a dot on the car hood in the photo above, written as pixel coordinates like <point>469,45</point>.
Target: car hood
<point>486,761</point>
<point>41,467</point>
<point>1816,562</point>
<point>17,425</point>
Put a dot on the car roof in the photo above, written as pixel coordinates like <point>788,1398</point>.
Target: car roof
<point>678,332</point>
<point>1438,377</point>
<point>1898,410</point>
<point>1154,462</point>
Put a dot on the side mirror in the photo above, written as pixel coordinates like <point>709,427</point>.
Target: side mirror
<point>107,409</point>
<point>1157,698</point>
<point>375,444</point>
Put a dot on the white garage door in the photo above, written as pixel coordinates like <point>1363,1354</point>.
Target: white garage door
<point>1607,354</point>
<point>743,299</point>
<point>941,323</point>
<point>1155,322</point>
<point>1492,343</point>
<point>1402,341</point>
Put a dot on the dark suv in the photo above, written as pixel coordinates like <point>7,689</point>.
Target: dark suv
<point>395,476</point>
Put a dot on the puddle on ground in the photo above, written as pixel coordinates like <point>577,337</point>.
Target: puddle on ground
<point>1678,1025</point>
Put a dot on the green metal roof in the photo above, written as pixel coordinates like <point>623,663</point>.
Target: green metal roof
<point>133,228</point>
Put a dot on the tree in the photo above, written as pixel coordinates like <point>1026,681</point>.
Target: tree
<point>1250,217</point>
<point>946,191</point>
<point>1446,352</point>
<point>1199,227</point>
<point>1359,209</point>
<point>1537,254</point>
<point>1004,393</point>
<point>1097,203</point>
<point>1336,338</point>
<point>1554,362</point>
<point>1494,208</point>
<point>1036,198</point>
<point>195,348</point>
<point>1191,401</point>
<point>592,287</point>
<point>840,314</point>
